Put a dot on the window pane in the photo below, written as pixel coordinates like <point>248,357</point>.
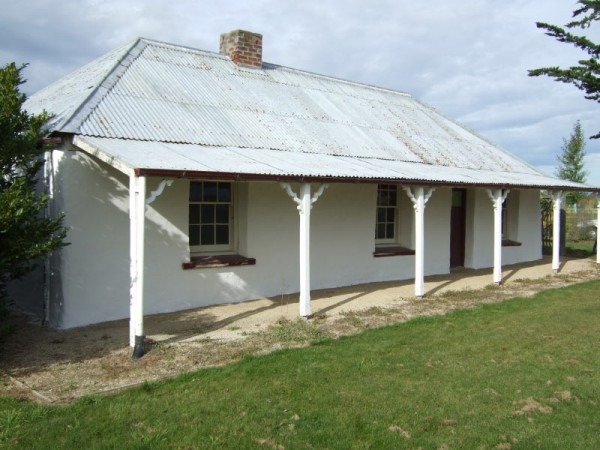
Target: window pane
<point>380,234</point>
<point>208,214</point>
<point>381,215</point>
<point>391,212</point>
<point>194,235</point>
<point>208,235</point>
<point>222,234</point>
<point>224,192</point>
<point>386,195</point>
<point>222,213</point>
<point>393,199</point>
<point>389,231</point>
<point>195,191</point>
<point>194,214</point>
<point>210,191</point>
<point>383,198</point>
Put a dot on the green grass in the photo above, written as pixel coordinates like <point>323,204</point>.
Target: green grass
<point>580,249</point>
<point>521,374</point>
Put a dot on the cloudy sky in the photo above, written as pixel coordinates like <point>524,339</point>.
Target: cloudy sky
<point>467,58</point>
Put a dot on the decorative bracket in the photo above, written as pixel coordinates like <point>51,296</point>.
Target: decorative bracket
<point>502,193</point>
<point>413,199</point>
<point>159,190</point>
<point>319,192</point>
<point>290,192</point>
<point>557,196</point>
<point>288,188</point>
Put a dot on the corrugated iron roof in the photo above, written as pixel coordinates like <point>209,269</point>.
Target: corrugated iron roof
<point>191,160</point>
<point>147,96</point>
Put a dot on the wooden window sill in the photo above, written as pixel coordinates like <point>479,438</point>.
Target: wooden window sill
<point>392,251</point>
<point>509,243</point>
<point>201,262</point>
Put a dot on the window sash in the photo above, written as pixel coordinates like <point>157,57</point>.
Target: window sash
<point>386,221</point>
<point>210,216</point>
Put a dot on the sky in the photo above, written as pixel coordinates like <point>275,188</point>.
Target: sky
<point>466,58</point>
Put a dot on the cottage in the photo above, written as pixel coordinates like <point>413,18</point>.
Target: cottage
<point>193,178</point>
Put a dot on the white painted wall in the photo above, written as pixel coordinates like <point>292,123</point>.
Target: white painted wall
<point>90,276</point>
<point>524,219</point>
<point>90,281</point>
<point>521,217</point>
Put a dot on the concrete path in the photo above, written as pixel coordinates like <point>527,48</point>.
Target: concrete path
<point>231,321</point>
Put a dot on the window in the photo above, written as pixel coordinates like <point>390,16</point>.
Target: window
<point>210,216</point>
<point>393,223</point>
<point>387,206</point>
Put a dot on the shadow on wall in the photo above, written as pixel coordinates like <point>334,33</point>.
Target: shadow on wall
<point>95,268</point>
<point>90,281</point>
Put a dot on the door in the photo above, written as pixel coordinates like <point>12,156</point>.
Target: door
<point>458,220</point>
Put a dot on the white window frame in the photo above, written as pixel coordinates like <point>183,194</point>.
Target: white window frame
<point>215,248</point>
<point>387,241</point>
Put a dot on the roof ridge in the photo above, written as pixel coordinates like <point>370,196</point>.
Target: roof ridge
<point>278,66</point>
<point>78,116</point>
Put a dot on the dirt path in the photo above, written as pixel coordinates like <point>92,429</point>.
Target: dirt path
<point>57,366</point>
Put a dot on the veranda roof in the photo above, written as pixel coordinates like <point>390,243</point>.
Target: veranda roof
<point>195,161</point>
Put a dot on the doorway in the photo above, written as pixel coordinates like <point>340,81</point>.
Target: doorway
<point>458,219</point>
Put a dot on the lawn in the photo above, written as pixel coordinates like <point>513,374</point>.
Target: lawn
<point>521,374</point>
<point>580,249</point>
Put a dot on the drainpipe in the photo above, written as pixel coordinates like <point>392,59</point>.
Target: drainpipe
<point>304,202</point>
<point>419,199</point>
<point>49,178</point>
<point>557,198</point>
<point>497,197</point>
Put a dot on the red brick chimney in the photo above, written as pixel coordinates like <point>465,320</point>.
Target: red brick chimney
<point>243,47</point>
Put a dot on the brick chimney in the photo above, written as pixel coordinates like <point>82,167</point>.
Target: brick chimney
<point>243,47</point>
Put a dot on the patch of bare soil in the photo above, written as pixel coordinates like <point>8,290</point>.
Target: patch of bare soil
<point>54,366</point>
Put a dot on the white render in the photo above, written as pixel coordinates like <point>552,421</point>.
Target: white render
<point>524,218</point>
<point>90,279</point>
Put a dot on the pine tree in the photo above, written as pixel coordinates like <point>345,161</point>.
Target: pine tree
<point>571,165</point>
<point>26,236</point>
<point>586,75</point>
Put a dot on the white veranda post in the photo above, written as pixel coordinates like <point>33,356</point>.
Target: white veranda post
<point>304,202</point>
<point>137,205</point>
<point>419,198</point>
<point>305,208</point>
<point>137,226</point>
<point>557,198</point>
<point>497,196</point>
